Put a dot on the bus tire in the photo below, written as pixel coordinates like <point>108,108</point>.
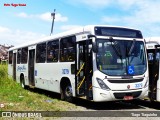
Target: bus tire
<point>62,94</point>
<point>66,93</point>
<point>22,82</point>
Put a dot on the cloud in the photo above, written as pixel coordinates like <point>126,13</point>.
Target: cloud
<point>17,37</point>
<point>47,17</point>
<point>59,17</point>
<point>44,16</point>
<point>103,4</point>
<point>96,3</point>
<point>108,19</point>
<point>23,15</point>
<point>4,29</point>
<point>142,15</point>
<point>128,4</point>
<point>69,27</point>
<point>144,12</point>
<point>91,3</point>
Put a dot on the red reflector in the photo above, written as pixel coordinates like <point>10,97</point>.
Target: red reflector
<point>128,98</point>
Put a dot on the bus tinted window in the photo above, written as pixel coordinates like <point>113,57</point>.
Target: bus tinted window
<point>24,55</point>
<point>10,57</point>
<point>52,51</point>
<point>41,53</point>
<point>19,56</point>
<point>67,49</point>
<point>118,32</point>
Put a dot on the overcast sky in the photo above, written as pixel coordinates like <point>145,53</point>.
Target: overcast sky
<point>26,23</point>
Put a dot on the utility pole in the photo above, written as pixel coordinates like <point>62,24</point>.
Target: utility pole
<point>53,16</point>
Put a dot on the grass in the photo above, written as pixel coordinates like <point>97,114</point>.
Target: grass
<point>16,98</point>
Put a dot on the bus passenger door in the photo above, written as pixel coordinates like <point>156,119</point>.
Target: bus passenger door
<point>84,69</point>
<point>14,66</point>
<point>31,67</point>
<point>154,81</point>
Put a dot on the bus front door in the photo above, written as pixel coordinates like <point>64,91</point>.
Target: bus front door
<point>83,70</point>
<point>31,68</point>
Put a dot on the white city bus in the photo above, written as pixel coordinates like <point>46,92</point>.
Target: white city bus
<point>98,63</point>
<point>153,50</point>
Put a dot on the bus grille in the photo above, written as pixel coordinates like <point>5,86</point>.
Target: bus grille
<point>121,95</point>
<point>125,81</point>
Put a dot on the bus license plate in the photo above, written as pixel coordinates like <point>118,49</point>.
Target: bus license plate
<point>128,98</point>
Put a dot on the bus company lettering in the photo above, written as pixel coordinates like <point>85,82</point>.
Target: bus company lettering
<point>21,68</point>
<point>14,5</point>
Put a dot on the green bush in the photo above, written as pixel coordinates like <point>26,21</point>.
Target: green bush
<point>3,71</point>
<point>16,98</point>
<point>3,75</point>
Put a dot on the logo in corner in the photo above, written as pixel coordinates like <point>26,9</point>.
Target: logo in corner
<point>128,86</point>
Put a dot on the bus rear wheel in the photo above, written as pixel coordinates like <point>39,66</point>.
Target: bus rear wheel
<point>66,93</point>
<point>22,82</point>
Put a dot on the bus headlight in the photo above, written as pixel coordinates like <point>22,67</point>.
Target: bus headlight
<point>102,84</point>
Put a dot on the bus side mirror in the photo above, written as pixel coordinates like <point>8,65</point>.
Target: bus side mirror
<point>94,43</point>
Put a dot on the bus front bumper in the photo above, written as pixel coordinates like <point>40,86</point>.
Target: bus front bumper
<point>100,95</point>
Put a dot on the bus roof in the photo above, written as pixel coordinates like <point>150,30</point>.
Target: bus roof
<point>85,29</point>
<point>153,39</point>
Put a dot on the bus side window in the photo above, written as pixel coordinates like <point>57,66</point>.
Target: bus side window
<point>19,56</point>
<point>67,49</point>
<point>52,51</point>
<point>10,57</point>
<point>41,53</point>
<point>24,55</point>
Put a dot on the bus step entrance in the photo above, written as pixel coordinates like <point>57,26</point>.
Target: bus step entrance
<point>31,86</point>
<point>83,66</point>
<point>152,95</point>
<point>81,86</point>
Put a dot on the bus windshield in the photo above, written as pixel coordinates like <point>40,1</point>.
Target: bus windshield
<point>121,57</point>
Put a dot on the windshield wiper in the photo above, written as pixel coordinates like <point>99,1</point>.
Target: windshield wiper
<point>115,48</point>
<point>132,46</point>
